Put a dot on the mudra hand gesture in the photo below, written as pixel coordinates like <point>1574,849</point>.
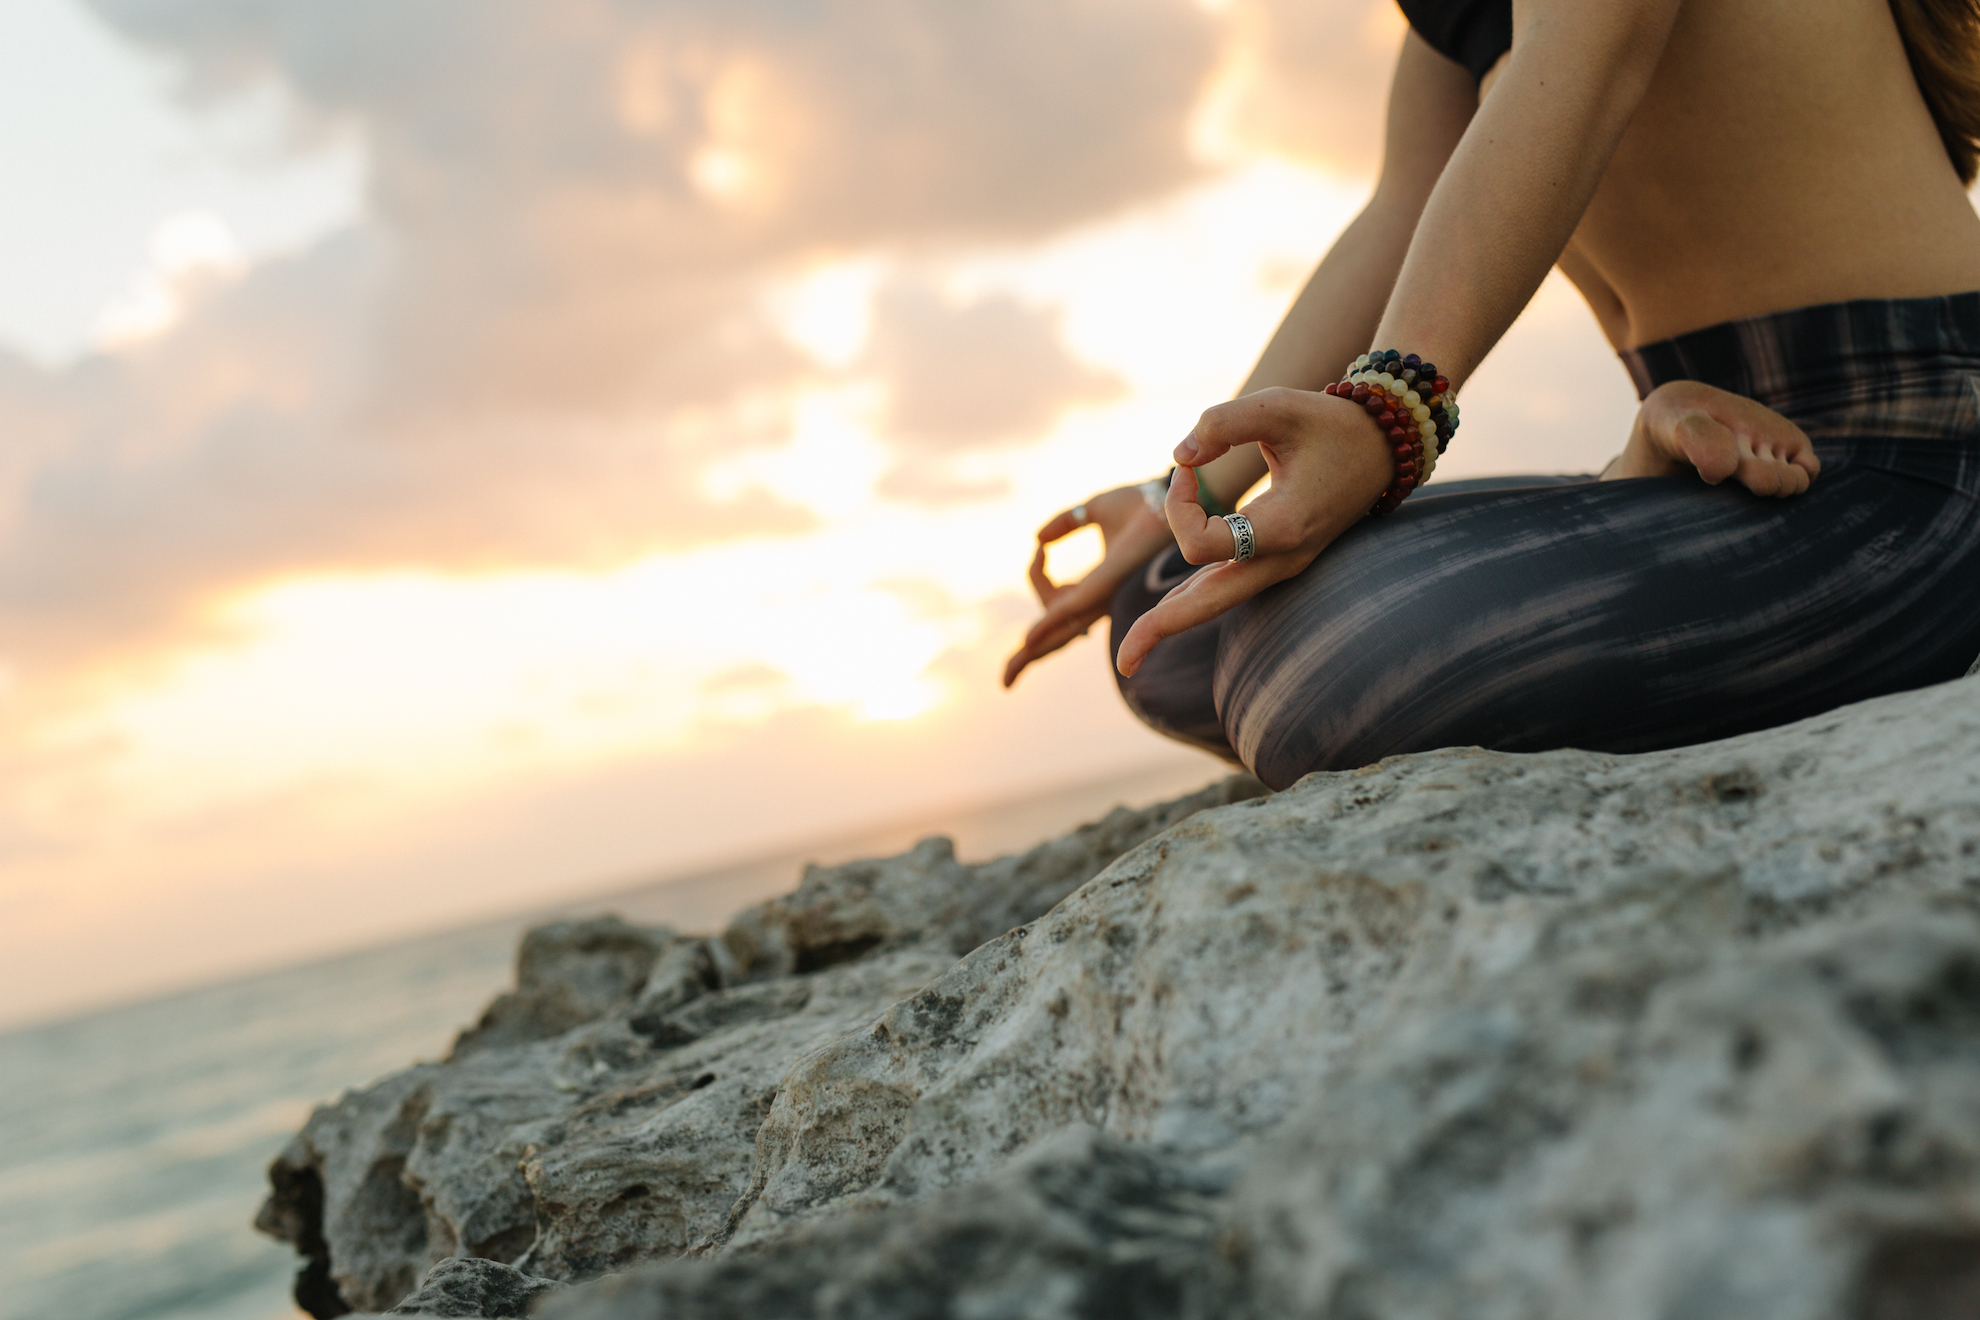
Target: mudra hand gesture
<point>1133,531</point>
<point>1328,463</point>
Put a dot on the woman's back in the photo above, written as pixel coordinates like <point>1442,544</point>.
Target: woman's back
<point>1782,156</point>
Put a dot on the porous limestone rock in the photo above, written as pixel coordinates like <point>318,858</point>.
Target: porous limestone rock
<point>1692,1035</point>
<point>568,973</point>
<point>470,1288</point>
<point>1084,1224</point>
<point>606,1110</point>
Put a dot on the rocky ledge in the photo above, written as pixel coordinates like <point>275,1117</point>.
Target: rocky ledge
<point>1691,1035</point>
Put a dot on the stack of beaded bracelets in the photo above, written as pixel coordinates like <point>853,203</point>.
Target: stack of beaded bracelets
<point>1413,404</point>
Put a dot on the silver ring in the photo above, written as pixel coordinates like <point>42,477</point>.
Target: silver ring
<point>1079,516</point>
<point>1247,544</point>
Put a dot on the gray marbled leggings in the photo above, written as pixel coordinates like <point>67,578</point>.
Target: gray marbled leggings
<point>1531,613</point>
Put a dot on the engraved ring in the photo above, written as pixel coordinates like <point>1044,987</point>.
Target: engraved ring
<point>1247,544</point>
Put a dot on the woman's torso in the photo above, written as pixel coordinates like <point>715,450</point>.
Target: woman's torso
<point>1782,156</point>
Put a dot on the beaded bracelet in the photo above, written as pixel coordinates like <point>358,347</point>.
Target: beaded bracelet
<point>1418,421</point>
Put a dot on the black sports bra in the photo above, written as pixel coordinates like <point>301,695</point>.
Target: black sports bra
<point>1472,32</point>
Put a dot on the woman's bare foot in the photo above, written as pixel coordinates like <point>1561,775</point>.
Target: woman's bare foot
<point>1686,425</point>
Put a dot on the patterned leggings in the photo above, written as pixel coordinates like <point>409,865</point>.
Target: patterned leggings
<point>1529,613</point>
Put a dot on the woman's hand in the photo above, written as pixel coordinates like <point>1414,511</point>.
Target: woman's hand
<point>1328,461</point>
<point>1685,425</point>
<point>1133,532</point>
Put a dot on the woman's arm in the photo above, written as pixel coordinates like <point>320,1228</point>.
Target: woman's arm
<point>1504,207</point>
<point>1518,183</point>
<point>1430,102</point>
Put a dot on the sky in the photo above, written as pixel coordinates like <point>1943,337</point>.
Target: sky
<point>457,453</point>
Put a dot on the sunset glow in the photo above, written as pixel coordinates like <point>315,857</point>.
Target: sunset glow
<point>476,551</point>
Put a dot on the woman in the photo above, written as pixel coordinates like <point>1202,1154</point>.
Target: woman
<point>1764,203</point>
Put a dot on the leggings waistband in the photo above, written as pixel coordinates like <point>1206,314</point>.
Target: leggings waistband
<point>1892,384</point>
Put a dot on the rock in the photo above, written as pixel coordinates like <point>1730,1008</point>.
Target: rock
<point>1693,1034</point>
<point>1209,981</point>
<point>1085,1224</point>
<point>570,973</point>
<point>463,1286</point>
<point>1638,1132</point>
<point>606,1110</point>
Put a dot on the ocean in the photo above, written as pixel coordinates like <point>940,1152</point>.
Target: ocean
<point>134,1140</point>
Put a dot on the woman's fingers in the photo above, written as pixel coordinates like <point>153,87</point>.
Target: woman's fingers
<point>1061,525</point>
<point>1204,442</point>
<point>1086,600</point>
<point>1042,586</point>
<point>1073,609</point>
<point>1256,416</point>
<point>1206,540</point>
<point>1203,539</point>
<point>1202,597</point>
<point>1059,626</point>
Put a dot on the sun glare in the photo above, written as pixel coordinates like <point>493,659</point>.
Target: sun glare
<point>416,682</point>
<point>409,684</point>
<point>828,311</point>
<point>363,708</point>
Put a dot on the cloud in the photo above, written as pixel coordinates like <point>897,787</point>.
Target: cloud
<point>965,376</point>
<point>556,297</point>
<point>1304,78</point>
<point>576,192</point>
<point>975,373</point>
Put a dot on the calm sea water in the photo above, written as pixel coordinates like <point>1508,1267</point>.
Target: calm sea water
<point>136,1139</point>
<point>133,1141</point>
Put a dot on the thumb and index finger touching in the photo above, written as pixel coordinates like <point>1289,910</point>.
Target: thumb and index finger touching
<point>1072,608</point>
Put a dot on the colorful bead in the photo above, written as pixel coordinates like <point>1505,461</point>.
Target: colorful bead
<point>1412,405</point>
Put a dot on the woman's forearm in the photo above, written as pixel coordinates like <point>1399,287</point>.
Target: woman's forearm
<point>1517,185</point>
<point>1334,318</point>
<point>1328,324</point>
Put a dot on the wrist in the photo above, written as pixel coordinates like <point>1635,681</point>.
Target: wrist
<point>1413,407</point>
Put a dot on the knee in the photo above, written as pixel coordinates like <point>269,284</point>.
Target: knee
<point>1296,692</point>
<point>1170,693</point>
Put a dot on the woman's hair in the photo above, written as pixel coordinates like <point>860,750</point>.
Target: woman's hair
<point>1942,40</point>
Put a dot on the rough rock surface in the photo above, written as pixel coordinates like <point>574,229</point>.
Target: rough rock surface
<point>468,1286</point>
<point>1687,1035</point>
<point>606,1111</point>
